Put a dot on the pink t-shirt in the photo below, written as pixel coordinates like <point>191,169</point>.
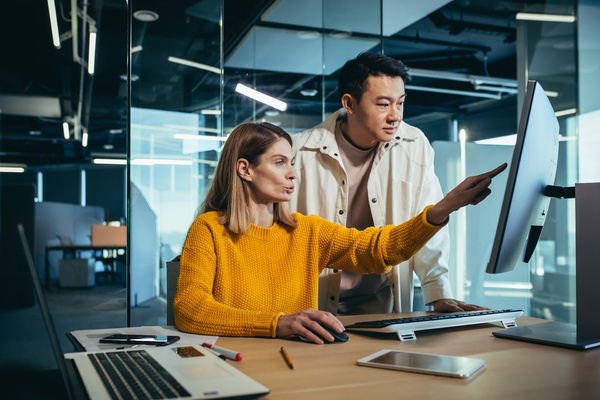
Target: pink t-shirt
<point>360,294</point>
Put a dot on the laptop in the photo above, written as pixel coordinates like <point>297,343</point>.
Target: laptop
<point>184,372</point>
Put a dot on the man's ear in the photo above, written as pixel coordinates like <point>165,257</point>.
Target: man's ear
<point>348,102</point>
<point>243,169</point>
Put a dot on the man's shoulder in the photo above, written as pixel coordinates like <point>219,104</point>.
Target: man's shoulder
<point>313,137</point>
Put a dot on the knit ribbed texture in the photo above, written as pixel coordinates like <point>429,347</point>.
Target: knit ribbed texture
<point>239,285</point>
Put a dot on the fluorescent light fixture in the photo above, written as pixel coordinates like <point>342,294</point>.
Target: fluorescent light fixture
<point>66,132</point>
<point>40,186</point>
<point>148,161</point>
<point>135,49</point>
<point>140,161</point>
<point>12,168</point>
<point>496,96</point>
<point>210,112</point>
<point>568,111</point>
<point>550,93</point>
<point>185,136</point>
<point>563,138</point>
<point>194,64</point>
<point>110,161</point>
<point>545,17</point>
<point>508,140</point>
<point>84,138</point>
<point>92,54</point>
<point>82,193</point>
<point>54,24</point>
<point>499,89</point>
<point>263,98</point>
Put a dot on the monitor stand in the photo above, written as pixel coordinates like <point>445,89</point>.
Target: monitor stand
<point>586,333</point>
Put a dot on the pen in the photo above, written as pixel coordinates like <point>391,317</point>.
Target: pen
<point>287,358</point>
<point>233,355</point>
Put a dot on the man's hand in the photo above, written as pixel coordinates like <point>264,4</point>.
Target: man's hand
<point>451,305</point>
<point>306,322</point>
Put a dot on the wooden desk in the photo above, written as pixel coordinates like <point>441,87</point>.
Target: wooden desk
<point>513,369</point>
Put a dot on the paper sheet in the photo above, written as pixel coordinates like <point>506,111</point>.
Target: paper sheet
<point>90,338</point>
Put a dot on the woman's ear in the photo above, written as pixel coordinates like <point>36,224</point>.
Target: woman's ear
<point>243,169</point>
<point>348,102</point>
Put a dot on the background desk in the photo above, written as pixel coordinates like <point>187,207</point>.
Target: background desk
<point>74,250</point>
<point>513,369</point>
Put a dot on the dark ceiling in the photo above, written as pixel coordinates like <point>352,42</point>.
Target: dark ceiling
<point>463,37</point>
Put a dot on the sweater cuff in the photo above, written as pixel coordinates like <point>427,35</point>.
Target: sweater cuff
<point>427,223</point>
<point>265,324</point>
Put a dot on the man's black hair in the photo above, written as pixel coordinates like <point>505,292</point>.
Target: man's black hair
<point>354,74</point>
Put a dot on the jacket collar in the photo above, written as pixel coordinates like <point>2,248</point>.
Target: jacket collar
<point>323,135</point>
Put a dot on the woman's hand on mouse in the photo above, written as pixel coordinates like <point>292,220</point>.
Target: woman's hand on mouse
<point>306,322</point>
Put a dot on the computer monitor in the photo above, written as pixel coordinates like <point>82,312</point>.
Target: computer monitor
<point>522,216</point>
<point>532,170</point>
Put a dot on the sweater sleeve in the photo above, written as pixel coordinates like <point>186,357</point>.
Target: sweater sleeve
<point>195,308</point>
<point>376,250</point>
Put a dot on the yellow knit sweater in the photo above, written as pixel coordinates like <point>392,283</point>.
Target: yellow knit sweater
<point>239,285</point>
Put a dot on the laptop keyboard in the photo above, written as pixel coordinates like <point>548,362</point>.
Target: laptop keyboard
<point>135,375</point>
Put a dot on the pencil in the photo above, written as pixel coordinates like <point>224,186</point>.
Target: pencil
<point>287,358</point>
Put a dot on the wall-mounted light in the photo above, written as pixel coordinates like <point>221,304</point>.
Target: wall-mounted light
<point>545,17</point>
<point>54,24</point>
<point>263,98</point>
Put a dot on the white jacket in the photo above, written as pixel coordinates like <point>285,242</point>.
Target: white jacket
<point>402,182</point>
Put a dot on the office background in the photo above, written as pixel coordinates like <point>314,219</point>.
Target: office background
<point>140,136</point>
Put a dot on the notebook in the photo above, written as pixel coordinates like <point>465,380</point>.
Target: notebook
<point>177,372</point>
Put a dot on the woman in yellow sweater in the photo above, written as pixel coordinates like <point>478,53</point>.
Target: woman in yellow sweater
<point>250,268</point>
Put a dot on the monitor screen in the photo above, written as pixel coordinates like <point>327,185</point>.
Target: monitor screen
<point>532,169</point>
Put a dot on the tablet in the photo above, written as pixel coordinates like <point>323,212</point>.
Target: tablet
<point>456,367</point>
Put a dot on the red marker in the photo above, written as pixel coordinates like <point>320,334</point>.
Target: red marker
<point>232,355</point>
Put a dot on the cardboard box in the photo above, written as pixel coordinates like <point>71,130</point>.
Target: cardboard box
<point>76,272</point>
<point>106,235</point>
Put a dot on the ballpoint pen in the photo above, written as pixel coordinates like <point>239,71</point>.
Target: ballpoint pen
<point>287,358</point>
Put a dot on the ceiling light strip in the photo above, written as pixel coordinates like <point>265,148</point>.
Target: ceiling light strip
<point>496,96</point>
<point>261,97</point>
<point>194,64</point>
<point>92,53</point>
<point>545,17</point>
<point>54,24</point>
<point>453,76</point>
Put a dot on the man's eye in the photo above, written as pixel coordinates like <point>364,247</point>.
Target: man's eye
<point>383,104</point>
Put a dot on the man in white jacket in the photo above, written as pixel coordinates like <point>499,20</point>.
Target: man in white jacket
<point>365,167</point>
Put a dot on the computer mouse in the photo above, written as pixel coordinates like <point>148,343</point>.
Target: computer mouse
<point>340,337</point>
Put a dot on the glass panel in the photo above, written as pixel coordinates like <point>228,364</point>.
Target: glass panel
<point>174,137</point>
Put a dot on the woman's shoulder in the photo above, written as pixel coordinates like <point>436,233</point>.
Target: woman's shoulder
<point>210,218</point>
<point>310,220</point>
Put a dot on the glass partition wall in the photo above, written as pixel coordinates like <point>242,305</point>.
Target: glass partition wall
<point>192,60</point>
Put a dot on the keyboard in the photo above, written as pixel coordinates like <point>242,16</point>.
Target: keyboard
<point>405,327</point>
<point>135,375</point>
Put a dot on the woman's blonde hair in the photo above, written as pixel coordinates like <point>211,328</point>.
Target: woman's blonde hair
<point>228,193</point>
